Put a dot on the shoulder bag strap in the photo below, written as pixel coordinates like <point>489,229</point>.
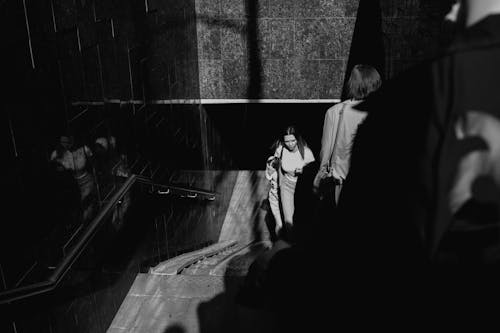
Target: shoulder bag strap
<point>341,116</point>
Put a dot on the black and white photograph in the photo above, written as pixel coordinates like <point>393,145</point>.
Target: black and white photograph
<point>253,166</point>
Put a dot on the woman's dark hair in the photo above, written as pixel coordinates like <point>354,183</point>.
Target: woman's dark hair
<point>291,130</point>
<point>364,79</point>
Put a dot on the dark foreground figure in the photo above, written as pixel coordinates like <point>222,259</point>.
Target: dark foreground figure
<point>424,181</point>
<point>416,238</point>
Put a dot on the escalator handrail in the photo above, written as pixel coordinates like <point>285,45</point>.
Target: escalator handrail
<point>69,259</point>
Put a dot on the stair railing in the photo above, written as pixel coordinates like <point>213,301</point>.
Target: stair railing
<point>74,253</point>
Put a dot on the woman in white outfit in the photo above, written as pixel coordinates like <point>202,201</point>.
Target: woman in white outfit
<point>292,155</point>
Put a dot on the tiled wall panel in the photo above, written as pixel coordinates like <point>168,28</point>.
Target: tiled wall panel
<point>241,39</point>
<point>88,71</point>
<point>247,38</point>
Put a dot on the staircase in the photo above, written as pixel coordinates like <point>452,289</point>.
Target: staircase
<point>195,292</point>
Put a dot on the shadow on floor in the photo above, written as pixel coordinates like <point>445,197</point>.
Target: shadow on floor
<point>224,313</point>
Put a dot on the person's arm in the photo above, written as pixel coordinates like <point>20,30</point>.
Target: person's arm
<point>308,156</point>
<point>87,151</point>
<point>270,171</point>
<point>329,132</point>
<point>277,152</point>
<point>53,155</point>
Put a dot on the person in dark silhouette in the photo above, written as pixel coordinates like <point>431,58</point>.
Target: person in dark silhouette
<point>417,236</point>
<point>75,157</point>
<point>307,219</point>
<point>421,204</point>
<point>417,158</point>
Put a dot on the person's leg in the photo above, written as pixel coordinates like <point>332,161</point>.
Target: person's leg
<point>338,188</point>
<point>275,209</point>
<point>287,191</point>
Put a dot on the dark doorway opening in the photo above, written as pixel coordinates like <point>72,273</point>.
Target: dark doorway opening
<point>249,130</point>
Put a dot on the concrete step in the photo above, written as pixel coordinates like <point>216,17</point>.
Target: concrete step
<point>182,303</point>
<point>174,265</point>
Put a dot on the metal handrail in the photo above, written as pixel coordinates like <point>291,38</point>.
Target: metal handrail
<point>185,192</point>
<point>66,263</point>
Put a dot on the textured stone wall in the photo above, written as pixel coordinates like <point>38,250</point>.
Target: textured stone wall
<point>273,48</point>
<point>300,49</point>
